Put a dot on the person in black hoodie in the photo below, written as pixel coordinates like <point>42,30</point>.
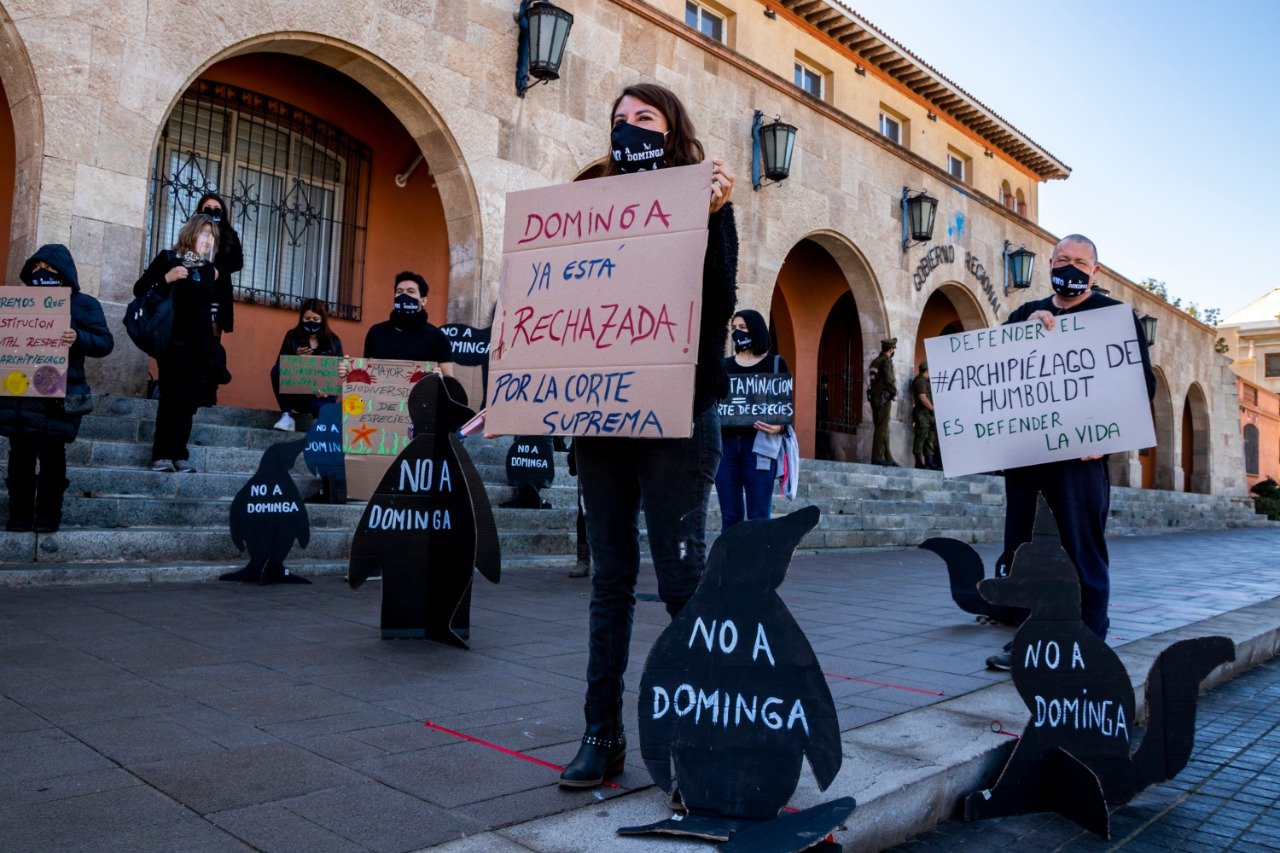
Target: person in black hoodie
<point>189,364</point>
<point>229,259</point>
<point>670,477</point>
<point>1077,490</point>
<point>39,430</point>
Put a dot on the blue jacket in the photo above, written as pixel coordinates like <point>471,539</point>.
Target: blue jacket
<point>46,418</point>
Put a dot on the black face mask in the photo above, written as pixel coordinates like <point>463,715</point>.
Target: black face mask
<point>44,278</point>
<point>311,328</point>
<point>215,215</point>
<point>1068,281</point>
<point>636,149</point>
<point>741,340</point>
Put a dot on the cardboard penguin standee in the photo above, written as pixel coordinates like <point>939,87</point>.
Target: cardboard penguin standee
<point>428,525</point>
<point>965,571</point>
<point>267,516</point>
<point>1075,755</point>
<point>324,456</point>
<point>531,467</point>
<point>732,700</point>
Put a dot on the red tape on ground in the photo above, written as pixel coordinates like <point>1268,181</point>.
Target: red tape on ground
<point>885,684</point>
<point>513,753</point>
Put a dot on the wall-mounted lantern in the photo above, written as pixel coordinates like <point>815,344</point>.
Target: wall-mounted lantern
<point>544,31</point>
<point>1018,266</point>
<point>918,212</point>
<point>771,148</point>
<point>1149,329</point>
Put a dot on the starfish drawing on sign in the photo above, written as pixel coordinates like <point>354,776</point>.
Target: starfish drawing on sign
<point>1076,755</point>
<point>362,433</point>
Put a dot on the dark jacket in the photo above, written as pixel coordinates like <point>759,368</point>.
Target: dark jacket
<point>719,299</point>
<point>1096,300</point>
<point>229,259</point>
<point>46,418</point>
<point>193,354</point>
<point>417,341</point>
<point>292,341</point>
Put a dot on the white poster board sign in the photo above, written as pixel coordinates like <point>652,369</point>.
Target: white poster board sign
<point>1019,395</point>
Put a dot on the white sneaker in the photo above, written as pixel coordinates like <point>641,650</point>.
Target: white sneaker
<point>286,423</point>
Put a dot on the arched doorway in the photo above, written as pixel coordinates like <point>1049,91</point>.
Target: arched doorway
<point>949,309</point>
<point>1158,462</point>
<point>21,150</point>
<point>1196,472</point>
<point>333,189</point>
<point>824,283</point>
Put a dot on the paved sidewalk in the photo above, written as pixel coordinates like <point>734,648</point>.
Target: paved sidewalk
<point>212,716</point>
<point>1226,799</point>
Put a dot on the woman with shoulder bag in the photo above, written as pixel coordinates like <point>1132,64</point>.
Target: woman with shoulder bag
<point>188,274</point>
<point>750,461</point>
<point>39,430</point>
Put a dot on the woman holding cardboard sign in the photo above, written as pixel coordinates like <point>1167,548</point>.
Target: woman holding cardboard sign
<point>312,336</point>
<point>744,480</point>
<point>670,477</point>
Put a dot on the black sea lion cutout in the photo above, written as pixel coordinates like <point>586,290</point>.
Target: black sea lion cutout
<point>733,700</point>
<point>1075,756</point>
<point>965,571</point>
<point>428,525</point>
<point>268,516</point>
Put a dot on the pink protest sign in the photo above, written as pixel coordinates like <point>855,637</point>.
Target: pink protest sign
<point>599,307</point>
<point>33,360</point>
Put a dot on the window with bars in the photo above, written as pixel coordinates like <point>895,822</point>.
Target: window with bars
<point>297,188</point>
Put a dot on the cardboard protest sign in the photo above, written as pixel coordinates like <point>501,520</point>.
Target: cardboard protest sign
<point>469,346</point>
<point>375,418</point>
<point>599,307</point>
<point>323,454</point>
<point>1018,395</point>
<point>267,516</point>
<point>732,695</point>
<point>768,397</point>
<point>1074,756</point>
<point>428,525</point>
<point>33,361</point>
<point>310,374</point>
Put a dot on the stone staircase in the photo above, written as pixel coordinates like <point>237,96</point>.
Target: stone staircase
<point>123,521</point>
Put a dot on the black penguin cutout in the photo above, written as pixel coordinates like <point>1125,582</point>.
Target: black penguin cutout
<point>732,694</point>
<point>428,524</point>
<point>965,570</point>
<point>531,461</point>
<point>1075,756</point>
<point>267,516</point>
<point>323,454</point>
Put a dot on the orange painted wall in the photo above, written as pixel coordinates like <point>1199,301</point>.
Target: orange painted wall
<point>938,313</point>
<point>406,226</point>
<point>8,169</point>
<point>1260,407</point>
<point>808,285</point>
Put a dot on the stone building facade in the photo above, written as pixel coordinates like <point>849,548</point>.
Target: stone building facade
<point>103,97</point>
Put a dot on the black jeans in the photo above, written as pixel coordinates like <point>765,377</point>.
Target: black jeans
<point>24,451</point>
<point>180,373</point>
<point>671,478</point>
<point>1079,493</point>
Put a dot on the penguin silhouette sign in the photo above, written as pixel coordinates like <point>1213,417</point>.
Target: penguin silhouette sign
<point>324,455</point>
<point>428,525</point>
<point>267,516</point>
<point>1076,756</point>
<point>732,700</point>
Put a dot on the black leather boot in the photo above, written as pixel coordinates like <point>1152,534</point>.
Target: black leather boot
<point>602,754</point>
<point>49,505</point>
<point>22,501</point>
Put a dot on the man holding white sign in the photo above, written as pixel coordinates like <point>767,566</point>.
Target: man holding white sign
<point>1045,397</point>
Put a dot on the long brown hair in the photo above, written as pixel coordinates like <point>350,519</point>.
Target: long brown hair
<point>324,337</point>
<point>190,232</point>
<point>682,145</point>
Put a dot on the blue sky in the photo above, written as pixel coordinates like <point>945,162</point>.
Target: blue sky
<point>1164,112</point>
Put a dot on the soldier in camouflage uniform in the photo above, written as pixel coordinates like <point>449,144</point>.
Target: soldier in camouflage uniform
<point>924,444</point>
<point>882,388</point>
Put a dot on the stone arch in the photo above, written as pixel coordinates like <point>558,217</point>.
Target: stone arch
<point>1197,466</point>
<point>453,180</point>
<point>1163,459</point>
<point>951,307</point>
<point>21,150</point>
<point>821,269</point>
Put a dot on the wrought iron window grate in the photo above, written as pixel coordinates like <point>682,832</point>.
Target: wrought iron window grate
<point>297,187</point>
